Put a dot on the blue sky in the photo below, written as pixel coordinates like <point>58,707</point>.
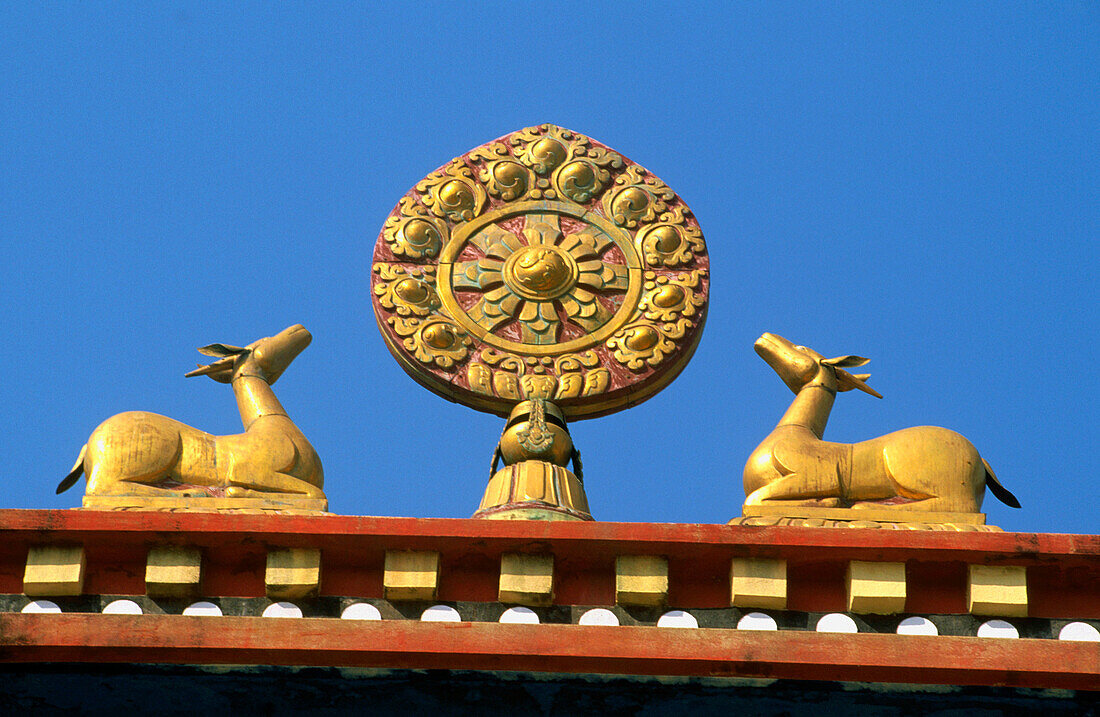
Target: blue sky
<point>916,183</point>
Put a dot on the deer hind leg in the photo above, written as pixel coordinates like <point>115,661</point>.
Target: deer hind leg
<point>129,452</point>
<point>928,469</point>
<point>123,487</point>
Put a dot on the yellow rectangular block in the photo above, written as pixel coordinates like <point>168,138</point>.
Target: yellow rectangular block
<point>997,590</point>
<point>54,570</point>
<point>641,580</point>
<point>411,575</point>
<point>526,579</point>
<point>877,588</point>
<point>173,572</point>
<point>758,582</point>
<point>293,573</point>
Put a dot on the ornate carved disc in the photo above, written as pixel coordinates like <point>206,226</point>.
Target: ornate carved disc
<point>542,264</point>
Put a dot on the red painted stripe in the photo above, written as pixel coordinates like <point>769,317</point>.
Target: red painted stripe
<point>318,531</point>
<point>549,648</point>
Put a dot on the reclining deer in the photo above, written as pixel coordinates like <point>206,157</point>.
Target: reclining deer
<point>924,468</point>
<point>140,453</point>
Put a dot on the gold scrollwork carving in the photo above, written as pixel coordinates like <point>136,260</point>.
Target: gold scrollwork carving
<point>538,385</point>
<point>543,148</point>
<point>516,378</point>
<point>642,343</point>
<point>596,381</point>
<point>406,290</point>
<point>577,170</point>
<point>413,232</point>
<point>434,340</point>
<point>668,297</point>
<point>453,192</point>
<point>671,242</point>
<point>580,180</point>
<point>636,197</point>
<point>576,362</point>
<point>507,179</point>
<point>504,360</point>
<point>503,176</point>
<point>578,375</point>
<point>660,321</point>
<point>480,378</point>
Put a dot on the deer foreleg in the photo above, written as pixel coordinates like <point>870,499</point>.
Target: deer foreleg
<point>262,485</point>
<point>934,504</point>
<point>795,487</point>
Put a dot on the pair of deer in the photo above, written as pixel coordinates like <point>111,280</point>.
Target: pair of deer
<point>925,468</point>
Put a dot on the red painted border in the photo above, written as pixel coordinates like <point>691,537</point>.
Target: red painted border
<point>322,530</point>
<point>1063,570</point>
<point>174,639</point>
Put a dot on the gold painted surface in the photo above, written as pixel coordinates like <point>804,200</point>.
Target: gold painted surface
<point>545,269</point>
<point>173,572</point>
<point>580,276</point>
<point>759,583</point>
<point>594,383</point>
<point>411,575</point>
<point>864,514</point>
<point>293,573</point>
<point>526,579</point>
<point>536,448</point>
<point>189,503</point>
<point>923,470</point>
<point>997,590</point>
<point>541,265</point>
<point>138,459</point>
<point>762,521</point>
<point>528,513</point>
<point>641,580</point>
<point>534,486</point>
<point>54,570</point>
<point>876,588</point>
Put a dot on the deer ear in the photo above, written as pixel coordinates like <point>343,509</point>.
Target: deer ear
<point>845,361</point>
<point>846,382</point>
<point>221,350</point>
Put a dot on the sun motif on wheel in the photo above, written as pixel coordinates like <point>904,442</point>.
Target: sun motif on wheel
<point>542,264</point>
<point>541,279</point>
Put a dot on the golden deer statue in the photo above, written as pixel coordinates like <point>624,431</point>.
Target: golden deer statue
<point>924,468</point>
<point>145,454</point>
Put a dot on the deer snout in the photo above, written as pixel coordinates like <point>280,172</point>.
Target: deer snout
<point>767,345</point>
<point>297,331</point>
<point>295,337</point>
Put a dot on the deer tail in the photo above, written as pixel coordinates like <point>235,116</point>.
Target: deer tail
<point>74,475</point>
<point>1003,494</point>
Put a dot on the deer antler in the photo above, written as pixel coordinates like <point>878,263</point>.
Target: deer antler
<point>222,369</point>
<point>846,382</point>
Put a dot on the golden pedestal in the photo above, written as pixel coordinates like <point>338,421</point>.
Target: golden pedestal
<point>888,518</point>
<point>880,515</point>
<point>534,490</point>
<point>280,503</point>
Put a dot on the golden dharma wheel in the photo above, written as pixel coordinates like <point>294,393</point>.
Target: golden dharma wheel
<point>541,265</point>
